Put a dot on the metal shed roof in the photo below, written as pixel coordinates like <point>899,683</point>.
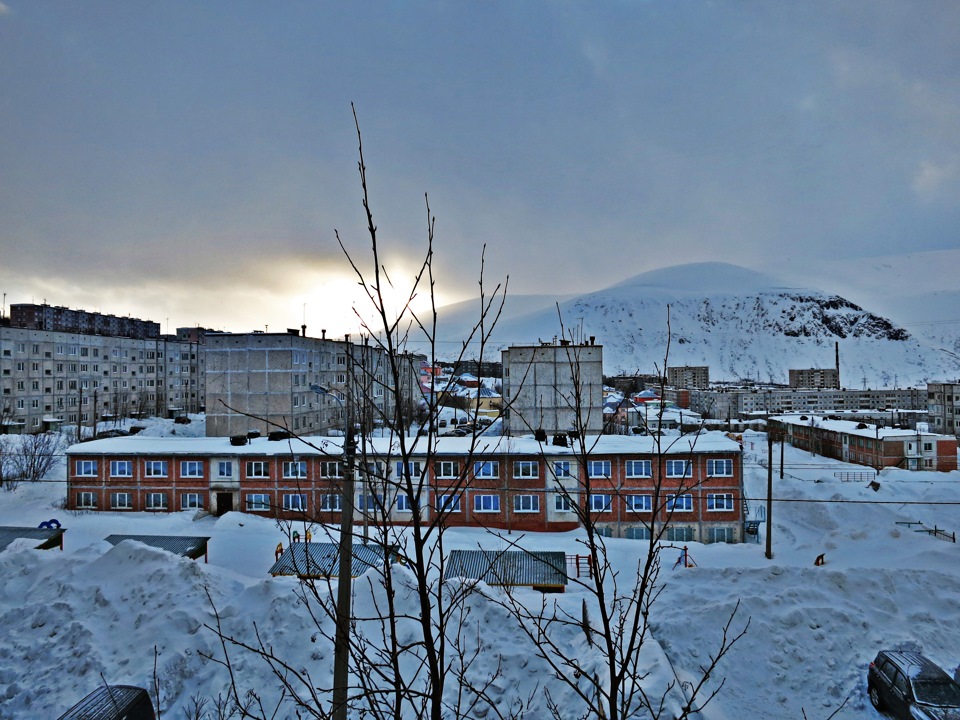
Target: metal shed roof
<point>509,567</point>
<point>189,546</point>
<point>322,560</point>
<point>50,537</point>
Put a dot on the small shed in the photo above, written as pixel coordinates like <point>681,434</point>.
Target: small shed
<point>191,546</point>
<point>541,570</point>
<point>48,537</point>
<point>314,560</point>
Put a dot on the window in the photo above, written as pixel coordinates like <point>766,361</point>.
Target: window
<point>191,501</point>
<point>156,501</point>
<point>225,469</point>
<point>720,468</point>
<point>155,468</point>
<point>598,468</point>
<point>927,446</point>
<point>86,501</point>
<point>638,532</point>
<point>121,468</point>
<point>408,470</point>
<point>448,469</point>
<point>563,503</point>
<point>448,503</point>
<point>526,503</point>
<point>486,503</point>
<point>638,468</point>
<point>370,503</point>
<point>720,501</point>
<point>679,503</point>
<point>121,501</point>
<point>639,503</point>
<point>258,469</point>
<point>331,469</point>
<point>486,469</point>
<point>720,534</point>
<point>600,503</point>
<point>191,468</point>
<point>295,469</point>
<point>404,503</point>
<point>258,501</point>
<point>296,502</point>
<point>561,468</point>
<point>678,534</point>
<point>679,468</point>
<point>86,468</point>
<point>526,469</point>
<point>330,502</point>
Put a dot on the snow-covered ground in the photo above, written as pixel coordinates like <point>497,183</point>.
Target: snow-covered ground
<point>71,620</point>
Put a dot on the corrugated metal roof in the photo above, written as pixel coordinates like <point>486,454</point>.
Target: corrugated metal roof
<point>509,567</point>
<point>187,545</point>
<point>49,536</point>
<point>322,560</point>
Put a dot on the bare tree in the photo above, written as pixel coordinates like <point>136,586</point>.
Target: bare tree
<point>413,643</point>
<point>614,681</point>
<point>28,458</point>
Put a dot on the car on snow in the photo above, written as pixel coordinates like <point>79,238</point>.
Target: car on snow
<point>910,686</point>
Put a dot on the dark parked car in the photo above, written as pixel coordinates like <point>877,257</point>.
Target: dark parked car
<point>911,686</point>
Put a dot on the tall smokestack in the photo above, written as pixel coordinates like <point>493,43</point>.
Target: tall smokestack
<point>836,346</point>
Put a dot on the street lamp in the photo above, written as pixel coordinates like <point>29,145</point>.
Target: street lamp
<point>341,642</point>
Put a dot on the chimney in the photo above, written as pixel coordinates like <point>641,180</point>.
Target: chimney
<point>303,330</point>
<point>836,347</point>
<point>323,334</point>
<point>593,339</point>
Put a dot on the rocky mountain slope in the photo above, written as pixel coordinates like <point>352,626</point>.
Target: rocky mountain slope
<point>741,323</point>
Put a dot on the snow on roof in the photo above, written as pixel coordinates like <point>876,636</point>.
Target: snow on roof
<point>851,427</point>
<point>704,442</point>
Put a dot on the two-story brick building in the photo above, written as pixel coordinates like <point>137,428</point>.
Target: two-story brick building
<point>865,444</point>
<point>627,486</point>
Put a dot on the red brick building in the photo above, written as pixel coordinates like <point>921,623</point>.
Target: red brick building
<point>696,487</point>
<point>867,444</point>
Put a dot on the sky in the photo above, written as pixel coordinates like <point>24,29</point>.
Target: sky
<point>192,163</point>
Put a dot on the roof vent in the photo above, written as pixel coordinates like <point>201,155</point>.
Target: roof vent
<point>279,435</point>
<point>560,440</point>
<point>238,439</point>
<point>540,435</point>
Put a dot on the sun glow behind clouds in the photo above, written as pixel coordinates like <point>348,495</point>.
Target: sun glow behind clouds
<point>339,304</point>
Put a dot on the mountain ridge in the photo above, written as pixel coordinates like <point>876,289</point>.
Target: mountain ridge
<point>742,323</point>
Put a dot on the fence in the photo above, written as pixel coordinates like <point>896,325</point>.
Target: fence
<point>856,476</point>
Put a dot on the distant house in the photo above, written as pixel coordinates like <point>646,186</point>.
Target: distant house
<point>872,445</point>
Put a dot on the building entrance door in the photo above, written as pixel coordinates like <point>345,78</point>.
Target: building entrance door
<point>224,503</point>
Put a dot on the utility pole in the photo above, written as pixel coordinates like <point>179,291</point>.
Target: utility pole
<point>769,494</point>
<point>782,440</point>
<point>341,645</point>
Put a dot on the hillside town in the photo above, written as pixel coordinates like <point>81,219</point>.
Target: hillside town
<point>75,372</point>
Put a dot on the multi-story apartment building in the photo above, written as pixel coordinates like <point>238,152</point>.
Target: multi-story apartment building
<point>741,402</point>
<point>509,483</point>
<point>872,445</point>
<point>815,378</point>
<point>546,386</point>
<point>689,376</point>
<point>943,406</point>
<point>51,379</point>
<point>266,381</point>
<point>62,319</point>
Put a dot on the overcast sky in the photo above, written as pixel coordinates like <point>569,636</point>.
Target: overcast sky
<point>188,162</point>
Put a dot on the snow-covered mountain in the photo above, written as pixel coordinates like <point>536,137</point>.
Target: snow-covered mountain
<point>739,322</point>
